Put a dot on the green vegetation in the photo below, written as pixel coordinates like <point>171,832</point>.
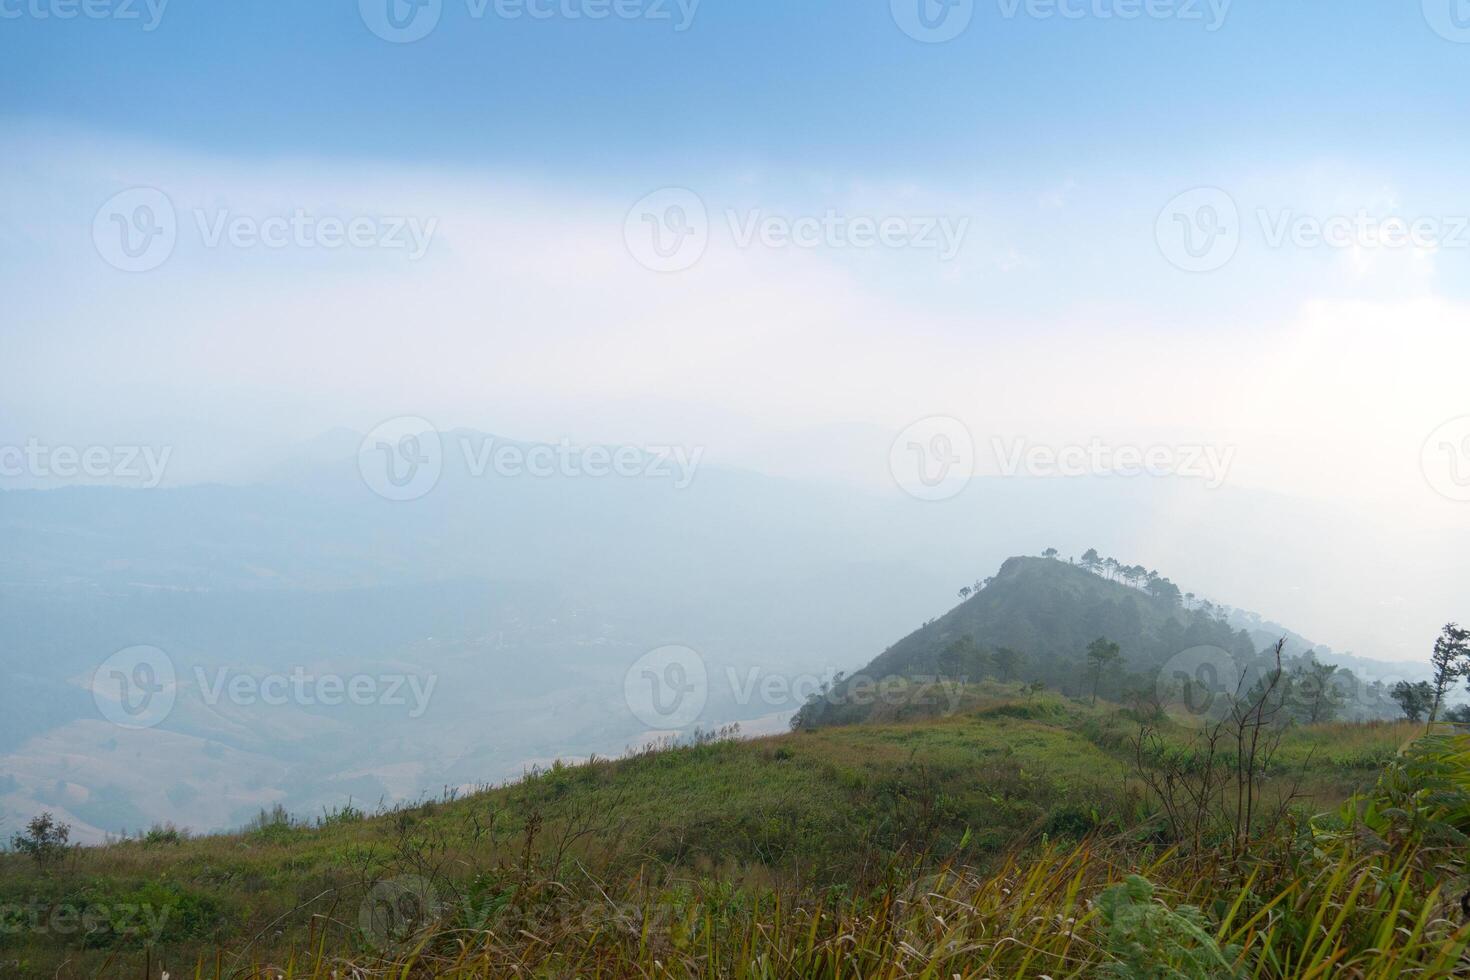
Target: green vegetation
<point>1053,817</point>
<point>831,853</point>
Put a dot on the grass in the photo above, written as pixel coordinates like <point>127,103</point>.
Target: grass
<point>980,844</point>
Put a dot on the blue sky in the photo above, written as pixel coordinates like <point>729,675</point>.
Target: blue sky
<point>806,84</point>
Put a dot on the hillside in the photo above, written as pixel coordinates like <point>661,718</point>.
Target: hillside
<point>845,810</point>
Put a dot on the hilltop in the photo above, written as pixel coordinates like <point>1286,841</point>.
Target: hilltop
<point>1033,621</point>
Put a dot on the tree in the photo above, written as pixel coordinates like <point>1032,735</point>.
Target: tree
<point>1007,662</point>
<point>1449,661</point>
<point>1313,695</point>
<point>1162,588</point>
<point>1101,653</point>
<point>955,656</point>
<point>45,840</point>
<point>1050,553</point>
<point>966,592</point>
<point>1090,560</point>
<point>1414,699</point>
<point>1459,714</point>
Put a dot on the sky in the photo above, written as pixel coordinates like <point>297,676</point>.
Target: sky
<point>1144,224</point>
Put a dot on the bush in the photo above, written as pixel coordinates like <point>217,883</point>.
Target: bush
<point>1071,821</point>
<point>161,834</point>
<point>273,825</point>
<point>1150,941</point>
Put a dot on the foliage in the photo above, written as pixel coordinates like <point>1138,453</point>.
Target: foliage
<point>1416,700</point>
<point>954,844</point>
<point>45,840</point>
<point>1148,940</point>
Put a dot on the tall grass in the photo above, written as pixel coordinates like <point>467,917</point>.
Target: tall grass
<point>1368,891</point>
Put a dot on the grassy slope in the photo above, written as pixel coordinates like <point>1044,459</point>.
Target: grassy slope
<point>832,807</point>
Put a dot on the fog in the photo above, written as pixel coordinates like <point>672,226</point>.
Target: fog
<point>281,400</point>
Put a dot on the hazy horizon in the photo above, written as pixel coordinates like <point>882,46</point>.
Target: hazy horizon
<point>787,322</point>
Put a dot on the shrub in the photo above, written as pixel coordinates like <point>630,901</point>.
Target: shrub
<point>1150,941</point>
<point>161,834</point>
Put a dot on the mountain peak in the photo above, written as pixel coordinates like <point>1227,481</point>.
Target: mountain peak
<point>1033,622</point>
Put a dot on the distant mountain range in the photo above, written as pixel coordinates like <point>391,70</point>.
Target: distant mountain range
<point>529,598</point>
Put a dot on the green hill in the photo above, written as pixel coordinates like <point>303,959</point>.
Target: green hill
<point>1033,622</point>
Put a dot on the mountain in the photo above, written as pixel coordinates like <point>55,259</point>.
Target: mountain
<point>1033,621</point>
